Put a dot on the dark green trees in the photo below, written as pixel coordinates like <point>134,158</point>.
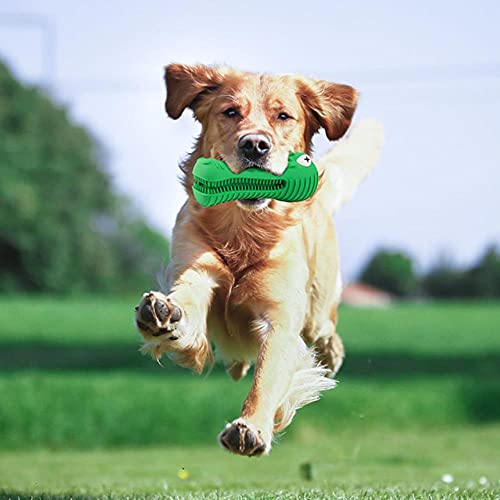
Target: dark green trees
<point>391,271</point>
<point>62,229</point>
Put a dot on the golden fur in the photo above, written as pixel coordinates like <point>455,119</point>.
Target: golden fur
<point>261,282</point>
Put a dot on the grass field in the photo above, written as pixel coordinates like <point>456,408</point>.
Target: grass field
<point>353,464</point>
<point>83,414</point>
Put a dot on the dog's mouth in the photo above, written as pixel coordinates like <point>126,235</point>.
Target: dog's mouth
<point>243,164</point>
<point>254,204</point>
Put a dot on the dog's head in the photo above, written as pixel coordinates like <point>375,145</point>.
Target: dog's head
<point>251,120</point>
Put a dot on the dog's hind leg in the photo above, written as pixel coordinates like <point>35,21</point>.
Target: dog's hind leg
<point>329,349</point>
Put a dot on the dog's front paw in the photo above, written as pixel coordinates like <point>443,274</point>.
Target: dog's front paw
<point>244,439</point>
<point>157,315</point>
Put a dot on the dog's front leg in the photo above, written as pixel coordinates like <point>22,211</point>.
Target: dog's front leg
<point>175,322</point>
<point>286,373</point>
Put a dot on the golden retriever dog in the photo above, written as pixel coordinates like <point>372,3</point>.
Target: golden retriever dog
<point>259,278</point>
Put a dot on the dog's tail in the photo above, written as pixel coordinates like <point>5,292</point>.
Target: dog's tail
<point>349,162</point>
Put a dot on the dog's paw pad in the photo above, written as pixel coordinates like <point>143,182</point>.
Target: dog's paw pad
<point>239,438</point>
<point>157,315</point>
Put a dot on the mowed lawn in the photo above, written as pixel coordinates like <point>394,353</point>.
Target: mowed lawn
<point>82,413</point>
<point>371,464</point>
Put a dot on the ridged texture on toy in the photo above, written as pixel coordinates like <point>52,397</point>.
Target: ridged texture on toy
<point>215,183</point>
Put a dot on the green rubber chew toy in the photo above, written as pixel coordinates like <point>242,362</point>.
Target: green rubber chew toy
<point>215,183</point>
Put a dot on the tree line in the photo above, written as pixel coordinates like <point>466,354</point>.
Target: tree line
<point>394,271</point>
<point>63,228</point>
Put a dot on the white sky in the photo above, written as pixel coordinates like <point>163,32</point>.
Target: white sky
<point>430,71</point>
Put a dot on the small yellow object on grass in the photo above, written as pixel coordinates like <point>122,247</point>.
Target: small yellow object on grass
<point>183,474</point>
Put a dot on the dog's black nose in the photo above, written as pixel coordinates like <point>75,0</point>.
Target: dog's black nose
<point>254,146</point>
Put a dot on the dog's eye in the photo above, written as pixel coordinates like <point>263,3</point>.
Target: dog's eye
<point>230,112</point>
<point>304,160</point>
<point>283,116</point>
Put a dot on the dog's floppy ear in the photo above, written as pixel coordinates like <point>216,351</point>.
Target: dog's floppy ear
<point>331,105</point>
<point>186,83</point>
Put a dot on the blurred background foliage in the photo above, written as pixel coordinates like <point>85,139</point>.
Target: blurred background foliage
<point>64,228</point>
<point>391,271</point>
<point>394,271</point>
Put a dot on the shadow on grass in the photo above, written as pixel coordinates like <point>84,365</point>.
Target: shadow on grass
<point>22,356</point>
<point>399,363</point>
<point>44,356</point>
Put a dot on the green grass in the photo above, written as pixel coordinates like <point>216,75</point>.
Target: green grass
<point>373,464</point>
<point>442,328</point>
<point>83,413</point>
<point>67,321</point>
<point>97,409</point>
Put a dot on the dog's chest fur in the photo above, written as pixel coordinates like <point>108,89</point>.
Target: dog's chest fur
<point>243,241</point>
